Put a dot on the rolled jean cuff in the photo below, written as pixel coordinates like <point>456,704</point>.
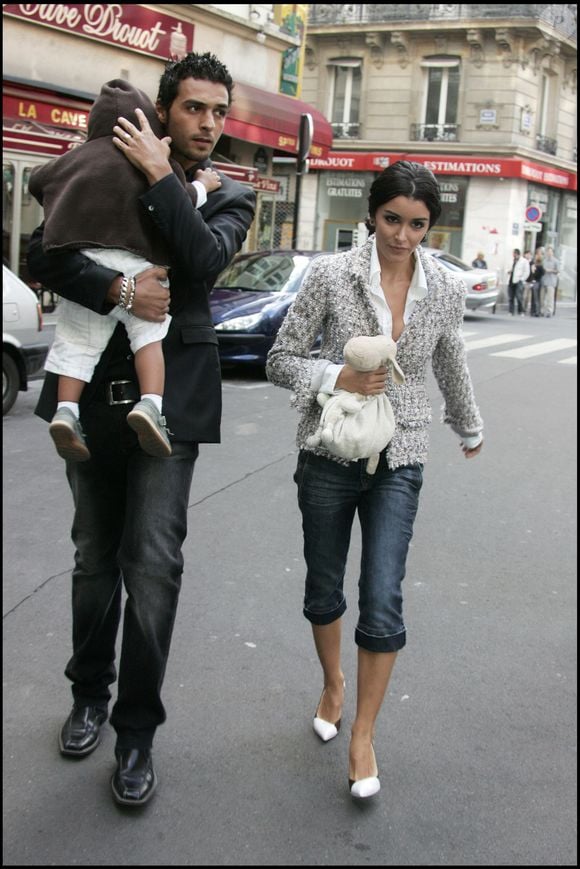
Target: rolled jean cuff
<point>380,644</point>
<point>325,618</point>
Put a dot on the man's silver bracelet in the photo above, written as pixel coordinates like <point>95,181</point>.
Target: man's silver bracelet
<point>127,294</point>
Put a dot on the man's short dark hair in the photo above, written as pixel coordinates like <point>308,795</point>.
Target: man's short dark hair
<point>199,66</point>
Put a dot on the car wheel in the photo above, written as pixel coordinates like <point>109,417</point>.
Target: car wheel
<point>10,382</point>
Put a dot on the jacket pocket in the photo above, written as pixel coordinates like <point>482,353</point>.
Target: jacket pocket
<point>198,335</point>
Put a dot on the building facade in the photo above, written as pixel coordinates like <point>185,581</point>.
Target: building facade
<point>57,56</point>
<point>485,95</point>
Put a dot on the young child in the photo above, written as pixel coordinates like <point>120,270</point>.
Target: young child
<point>91,203</point>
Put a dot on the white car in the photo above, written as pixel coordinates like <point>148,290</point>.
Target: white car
<point>482,284</point>
<point>24,345</point>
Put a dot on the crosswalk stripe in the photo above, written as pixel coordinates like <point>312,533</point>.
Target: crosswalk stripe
<point>494,340</point>
<point>571,360</point>
<point>538,349</point>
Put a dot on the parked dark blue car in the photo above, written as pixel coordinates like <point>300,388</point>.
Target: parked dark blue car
<point>251,298</point>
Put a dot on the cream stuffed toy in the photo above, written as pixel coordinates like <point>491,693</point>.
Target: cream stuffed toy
<point>355,426</point>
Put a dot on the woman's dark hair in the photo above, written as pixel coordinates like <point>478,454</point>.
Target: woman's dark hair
<point>412,180</point>
<point>201,66</point>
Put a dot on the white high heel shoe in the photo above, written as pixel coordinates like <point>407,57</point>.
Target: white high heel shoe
<point>325,730</point>
<point>365,787</point>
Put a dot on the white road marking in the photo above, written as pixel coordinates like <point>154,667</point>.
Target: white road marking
<point>494,340</point>
<point>246,385</point>
<point>571,360</point>
<point>538,349</point>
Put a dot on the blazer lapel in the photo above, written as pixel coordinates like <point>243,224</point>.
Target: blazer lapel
<point>360,268</point>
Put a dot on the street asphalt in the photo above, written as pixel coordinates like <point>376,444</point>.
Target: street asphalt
<point>476,742</point>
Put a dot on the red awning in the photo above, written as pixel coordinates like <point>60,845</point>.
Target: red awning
<point>256,115</point>
<point>273,120</point>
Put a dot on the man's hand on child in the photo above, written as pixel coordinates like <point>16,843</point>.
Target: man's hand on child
<point>142,148</point>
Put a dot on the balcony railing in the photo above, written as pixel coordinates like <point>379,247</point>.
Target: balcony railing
<point>562,17</point>
<point>548,146</point>
<point>434,132</point>
<point>346,131</point>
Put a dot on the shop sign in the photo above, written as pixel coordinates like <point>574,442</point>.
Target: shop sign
<point>349,186</point>
<point>509,167</point>
<point>268,184</point>
<point>546,176</point>
<point>352,161</point>
<point>131,27</point>
<point>44,112</point>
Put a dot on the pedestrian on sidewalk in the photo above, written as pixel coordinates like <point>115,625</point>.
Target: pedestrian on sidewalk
<point>388,286</point>
<point>130,508</point>
<point>536,275</point>
<point>518,275</point>
<point>549,282</point>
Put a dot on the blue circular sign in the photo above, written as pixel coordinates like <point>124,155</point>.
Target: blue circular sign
<point>533,213</point>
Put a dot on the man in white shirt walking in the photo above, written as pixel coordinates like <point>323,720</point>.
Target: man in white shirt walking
<point>519,274</point>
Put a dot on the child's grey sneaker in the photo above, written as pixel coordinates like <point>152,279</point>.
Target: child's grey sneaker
<point>67,434</point>
<point>150,427</point>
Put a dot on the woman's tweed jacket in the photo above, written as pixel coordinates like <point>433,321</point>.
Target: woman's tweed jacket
<point>334,301</point>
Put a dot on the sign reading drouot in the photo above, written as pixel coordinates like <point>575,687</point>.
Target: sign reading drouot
<point>132,27</point>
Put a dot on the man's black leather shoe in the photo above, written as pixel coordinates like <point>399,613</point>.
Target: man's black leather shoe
<point>134,781</point>
<point>81,732</point>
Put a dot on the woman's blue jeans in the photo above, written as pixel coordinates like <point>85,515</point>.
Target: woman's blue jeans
<point>329,495</point>
<point>129,525</point>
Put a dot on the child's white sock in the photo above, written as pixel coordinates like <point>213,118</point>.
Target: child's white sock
<point>73,406</point>
<point>156,399</point>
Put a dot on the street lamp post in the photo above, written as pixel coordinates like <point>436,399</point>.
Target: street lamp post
<point>304,143</point>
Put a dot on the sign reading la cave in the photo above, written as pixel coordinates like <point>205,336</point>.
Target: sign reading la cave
<point>132,27</point>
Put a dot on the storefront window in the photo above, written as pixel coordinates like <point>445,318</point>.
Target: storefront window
<point>342,205</point>
<point>7,198</point>
<point>21,214</point>
<point>566,251</point>
<point>558,228</point>
<point>448,233</point>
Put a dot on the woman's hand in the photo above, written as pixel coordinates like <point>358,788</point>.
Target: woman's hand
<point>363,382</point>
<point>142,148</point>
<point>471,453</point>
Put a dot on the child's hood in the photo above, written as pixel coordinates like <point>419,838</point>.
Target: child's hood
<point>119,98</point>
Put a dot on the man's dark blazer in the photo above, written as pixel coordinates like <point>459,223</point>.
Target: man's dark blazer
<point>202,243</point>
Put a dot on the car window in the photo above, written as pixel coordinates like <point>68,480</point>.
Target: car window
<point>269,274</point>
<point>453,263</point>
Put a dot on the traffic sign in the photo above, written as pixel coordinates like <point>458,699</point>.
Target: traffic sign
<point>533,213</point>
<point>532,227</point>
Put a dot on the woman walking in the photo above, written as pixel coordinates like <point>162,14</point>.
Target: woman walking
<point>388,286</point>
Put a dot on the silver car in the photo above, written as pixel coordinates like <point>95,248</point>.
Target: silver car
<point>24,344</point>
<point>482,284</point>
